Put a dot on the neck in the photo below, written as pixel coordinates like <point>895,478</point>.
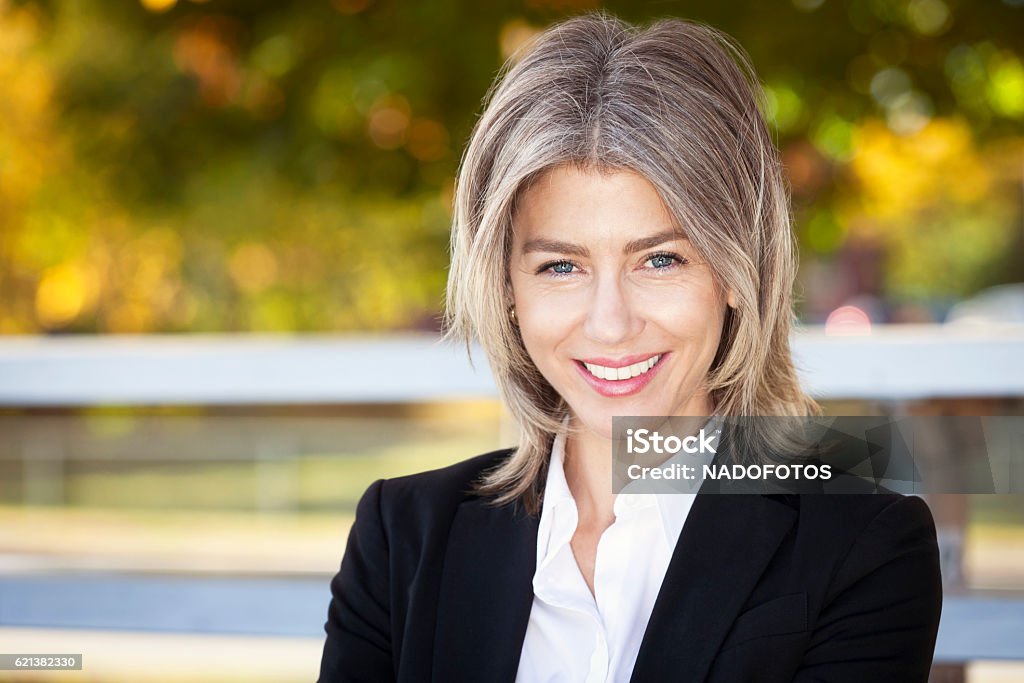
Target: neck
<point>588,472</point>
<point>588,466</point>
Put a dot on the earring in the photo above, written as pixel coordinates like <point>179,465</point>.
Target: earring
<point>512,314</point>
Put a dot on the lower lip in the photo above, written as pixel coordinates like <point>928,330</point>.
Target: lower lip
<point>622,387</point>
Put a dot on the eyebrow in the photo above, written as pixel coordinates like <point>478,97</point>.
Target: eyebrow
<point>632,247</point>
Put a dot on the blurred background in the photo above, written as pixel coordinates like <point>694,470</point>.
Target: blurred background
<point>223,248</point>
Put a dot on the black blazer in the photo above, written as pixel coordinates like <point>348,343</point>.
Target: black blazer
<point>436,585</point>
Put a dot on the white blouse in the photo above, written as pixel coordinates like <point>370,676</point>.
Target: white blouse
<point>573,636</point>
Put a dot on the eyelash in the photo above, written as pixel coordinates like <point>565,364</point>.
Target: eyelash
<point>679,261</point>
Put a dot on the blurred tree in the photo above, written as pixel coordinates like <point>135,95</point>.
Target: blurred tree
<point>173,165</point>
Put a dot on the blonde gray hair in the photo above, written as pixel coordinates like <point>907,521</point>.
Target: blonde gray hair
<point>678,103</point>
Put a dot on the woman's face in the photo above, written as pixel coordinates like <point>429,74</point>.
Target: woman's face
<point>603,288</point>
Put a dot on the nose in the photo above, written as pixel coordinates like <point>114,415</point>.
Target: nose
<point>612,314</point>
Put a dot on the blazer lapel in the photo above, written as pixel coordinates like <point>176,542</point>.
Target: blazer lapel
<point>486,593</point>
<point>722,551</point>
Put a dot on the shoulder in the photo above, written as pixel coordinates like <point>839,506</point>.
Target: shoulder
<point>856,513</point>
<point>864,532</point>
<point>444,484</point>
<point>424,503</point>
<point>859,529</point>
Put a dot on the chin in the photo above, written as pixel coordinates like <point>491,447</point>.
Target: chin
<point>603,427</point>
<point>600,422</point>
<point>596,421</point>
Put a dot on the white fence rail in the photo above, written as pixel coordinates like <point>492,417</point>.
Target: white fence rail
<point>897,362</point>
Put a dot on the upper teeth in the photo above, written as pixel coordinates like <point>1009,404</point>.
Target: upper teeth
<point>626,372</point>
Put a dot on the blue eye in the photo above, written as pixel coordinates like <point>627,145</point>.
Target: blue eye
<point>558,268</point>
<point>563,267</point>
<point>664,261</point>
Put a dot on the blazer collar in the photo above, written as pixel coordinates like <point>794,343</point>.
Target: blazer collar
<point>486,590</point>
<point>486,593</point>
<point>725,544</point>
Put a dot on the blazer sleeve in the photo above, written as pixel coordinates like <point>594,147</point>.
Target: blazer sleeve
<point>358,645</point>
<point>881,616</point>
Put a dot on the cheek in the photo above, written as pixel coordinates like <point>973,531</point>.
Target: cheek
<point>545,330</point>
<point>695,325</point>
<point>541,309</point>
<point>541,329</point>
<point>687,311</point>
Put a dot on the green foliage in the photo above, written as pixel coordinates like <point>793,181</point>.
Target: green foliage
<point>235,165</point>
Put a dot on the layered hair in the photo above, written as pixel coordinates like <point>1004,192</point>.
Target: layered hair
<point>678,103</point>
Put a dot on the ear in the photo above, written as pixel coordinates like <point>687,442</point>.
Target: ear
<point>731,299</point>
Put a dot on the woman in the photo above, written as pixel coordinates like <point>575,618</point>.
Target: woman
<point>622,246</point>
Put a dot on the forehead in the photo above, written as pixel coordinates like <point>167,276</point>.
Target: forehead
<point>569,201</point>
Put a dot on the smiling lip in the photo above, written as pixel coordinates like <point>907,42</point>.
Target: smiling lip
<point>623,387</point>
<point>620,363</point>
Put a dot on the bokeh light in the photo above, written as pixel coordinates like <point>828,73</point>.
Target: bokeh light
<point>200,166</point>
